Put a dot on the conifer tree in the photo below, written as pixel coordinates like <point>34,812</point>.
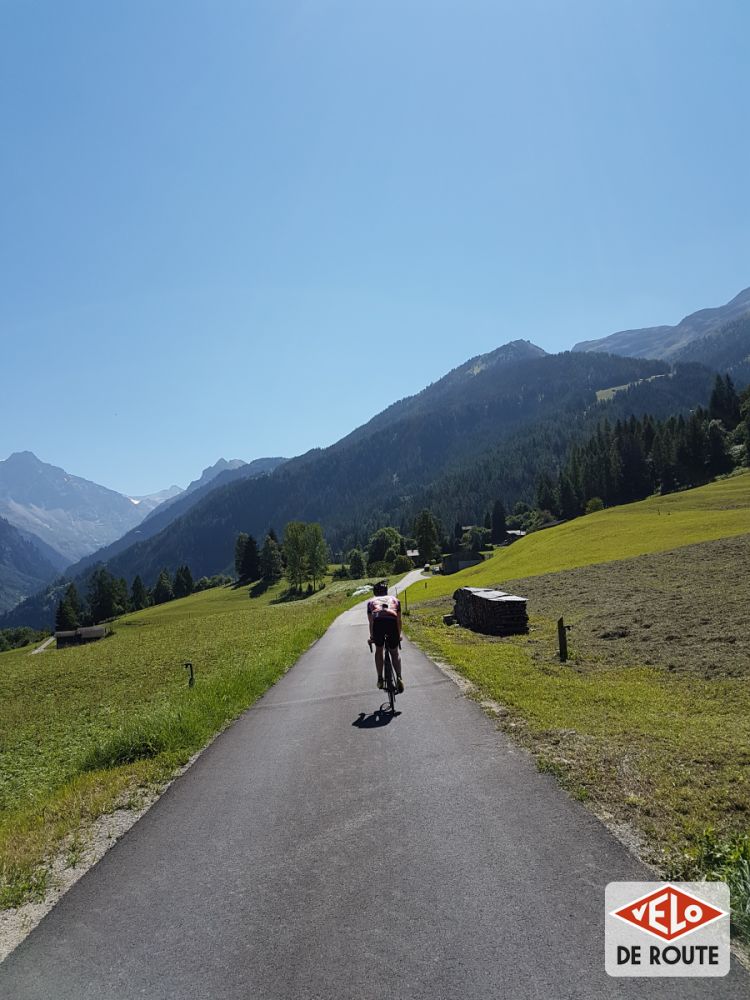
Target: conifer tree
<point>107,596</point>
<point>427,534</point>
<point>569,504</point>
<point>163,588</point>
<point>545,494</point>
<point>65,617</point>
<point>74,600</point>
<point>724,404</point>
<point>122,598</point>
<point>239,553</point>
<point>183,582</point>
<point>498,524</point>
<point>745,422</point>
<point>250,565</point>
<point>271,567</point>
<point>717,460</point>
<point>138,595</point>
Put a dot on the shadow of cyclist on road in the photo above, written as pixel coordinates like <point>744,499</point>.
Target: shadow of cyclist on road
<point>379,717</point>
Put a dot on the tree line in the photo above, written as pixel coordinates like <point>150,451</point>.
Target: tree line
<point>108,596</point>
<point>641,456</point>
<point>302,557</point>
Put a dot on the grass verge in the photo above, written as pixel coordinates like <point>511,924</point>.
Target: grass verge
<point>82,729</point>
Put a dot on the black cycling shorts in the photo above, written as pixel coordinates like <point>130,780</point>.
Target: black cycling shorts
<point>385,629</point>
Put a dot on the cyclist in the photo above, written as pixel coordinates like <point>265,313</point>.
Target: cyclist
<point>384,616</point>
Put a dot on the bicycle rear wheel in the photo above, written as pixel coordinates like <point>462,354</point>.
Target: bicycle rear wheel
<point>390,681</point>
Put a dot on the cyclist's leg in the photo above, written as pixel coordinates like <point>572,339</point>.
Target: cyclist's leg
<point>396,659</point>
<point>378,638</point>
<point>392,639</point>
<point>379,662</point>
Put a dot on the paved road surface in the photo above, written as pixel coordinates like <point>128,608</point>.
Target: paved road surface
<point>41,649</point>
<point>319,849</point>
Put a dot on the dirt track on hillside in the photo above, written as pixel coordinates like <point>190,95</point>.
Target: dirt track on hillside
<point>687,610</point>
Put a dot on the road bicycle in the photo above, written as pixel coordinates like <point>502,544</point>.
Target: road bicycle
<point>389,675</point>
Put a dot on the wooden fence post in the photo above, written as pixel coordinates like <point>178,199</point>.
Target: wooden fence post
<point>562,639</point>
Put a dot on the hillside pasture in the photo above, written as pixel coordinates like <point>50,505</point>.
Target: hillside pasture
<point>82,729</point>
<point>719,510</point>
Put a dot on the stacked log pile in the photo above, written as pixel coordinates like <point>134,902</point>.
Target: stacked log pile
<point>492,612</point>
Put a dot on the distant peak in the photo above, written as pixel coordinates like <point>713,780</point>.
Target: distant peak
<point>214,470</point>
<point>26,457</point>
<point>743,296</point>
<point>233,463</point>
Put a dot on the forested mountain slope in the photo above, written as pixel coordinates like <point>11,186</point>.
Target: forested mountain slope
<point>347,486</point>
<point>726,350</point>
<point>23,568</point>
<point>509,470</point>
<point>483,374</point>
<point>170,510</point>
<point>376,474</point>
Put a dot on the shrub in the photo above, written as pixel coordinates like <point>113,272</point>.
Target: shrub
<point>402,564</point>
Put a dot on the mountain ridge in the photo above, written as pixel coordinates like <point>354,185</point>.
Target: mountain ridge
<point>665,342</point>
<point>160,518</point>
<point>349,485</point>
<point>71,514</point>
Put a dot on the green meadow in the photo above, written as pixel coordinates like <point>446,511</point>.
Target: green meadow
<point>83,729</point>
<point>658,752</point>
<point>719,510</point>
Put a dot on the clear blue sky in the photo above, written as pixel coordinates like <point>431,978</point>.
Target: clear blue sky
<point>241,229</point>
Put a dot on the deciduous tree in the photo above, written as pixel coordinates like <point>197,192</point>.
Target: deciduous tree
<point>316,553</point>
<point>294,550</point>
<point>356,564</point>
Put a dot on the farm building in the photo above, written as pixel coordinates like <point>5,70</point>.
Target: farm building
<point>455,561</point>
<point>76,637</point>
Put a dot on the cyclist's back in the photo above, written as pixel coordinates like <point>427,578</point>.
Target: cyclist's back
<point>384,617</point>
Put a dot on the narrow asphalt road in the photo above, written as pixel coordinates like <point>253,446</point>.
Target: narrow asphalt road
<point>321,849</point>
<point>41,649</point>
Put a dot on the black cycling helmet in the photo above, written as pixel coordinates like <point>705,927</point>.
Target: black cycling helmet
<point>381,588</point>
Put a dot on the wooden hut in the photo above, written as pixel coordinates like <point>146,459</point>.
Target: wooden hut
<point>493,612</point>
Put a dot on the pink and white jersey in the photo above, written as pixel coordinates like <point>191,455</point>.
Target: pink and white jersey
<point>383,607</point>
